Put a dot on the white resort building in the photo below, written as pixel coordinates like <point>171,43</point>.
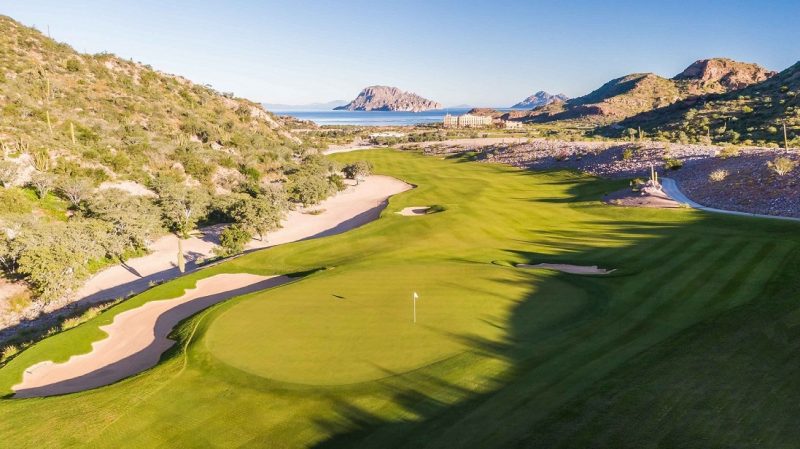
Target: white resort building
<point>466,121</point>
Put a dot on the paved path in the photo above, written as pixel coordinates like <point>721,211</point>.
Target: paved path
<point>672,189</point>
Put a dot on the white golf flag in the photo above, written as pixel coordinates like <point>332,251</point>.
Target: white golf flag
<point>414,299</point>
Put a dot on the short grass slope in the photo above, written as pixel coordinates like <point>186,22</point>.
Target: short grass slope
<point>692,341</point>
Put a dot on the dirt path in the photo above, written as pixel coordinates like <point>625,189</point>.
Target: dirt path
<point>136,338</point>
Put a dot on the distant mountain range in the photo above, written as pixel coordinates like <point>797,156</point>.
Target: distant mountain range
<point>305,107</point>
<point>538,99</point>
<point>386,98</point>
<point>636,93</point>
<point>753,114</point>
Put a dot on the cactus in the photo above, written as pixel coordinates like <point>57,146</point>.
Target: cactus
<point>785,137</point>
<point>49,123</point>
<point>23,146</point>
<point>72,131</point>
<point>181,259</point>
<point>40,160</point>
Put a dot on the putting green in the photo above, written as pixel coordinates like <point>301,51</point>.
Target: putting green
<point>357,324</point>
<point>692,341</point>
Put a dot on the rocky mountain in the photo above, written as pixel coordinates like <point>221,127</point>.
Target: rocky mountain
<point>722,74</point>
<point>385,98</point>
<point>538,99</point>
<point>637,93</point>
<point>752,115</point>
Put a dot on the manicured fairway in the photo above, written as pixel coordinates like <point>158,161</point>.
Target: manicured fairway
<point>692,342</point>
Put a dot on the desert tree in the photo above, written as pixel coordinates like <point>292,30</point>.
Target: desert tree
<point>357,170</point>
<point>8,172</point>
<point>42,183</point>
<point>134,219</point>
<point>75,189</point>
<point>261,213</point>
<point>181,206</point>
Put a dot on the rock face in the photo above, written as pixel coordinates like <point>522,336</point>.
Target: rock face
<point>385,98</point>
<point>729,74</point>
<point>538,99</point>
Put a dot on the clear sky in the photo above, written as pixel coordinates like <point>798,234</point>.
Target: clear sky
<point>483,53</point>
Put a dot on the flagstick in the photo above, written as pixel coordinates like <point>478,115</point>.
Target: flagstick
<point>414,301</point>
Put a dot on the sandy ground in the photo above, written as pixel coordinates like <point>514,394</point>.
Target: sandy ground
<point>566,268</point>
<point>349,209</point>
<point>136,338</point>
<point>414,210</point>
<point>629,198</point>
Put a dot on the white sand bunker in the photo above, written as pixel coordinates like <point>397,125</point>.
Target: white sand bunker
<point>414,210</point>
<point>136,338</point>
<point>566,268</point>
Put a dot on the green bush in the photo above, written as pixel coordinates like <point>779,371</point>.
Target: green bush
<point>671,163</point>
<point>232,241</point>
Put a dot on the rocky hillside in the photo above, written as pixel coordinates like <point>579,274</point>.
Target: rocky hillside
<point>385,98</point>
<point>107,118</point>
<point>539,99</point>
<point>634,94</point>
<point>99,156</point>
<point>722,75</point>
<point>753,115</point>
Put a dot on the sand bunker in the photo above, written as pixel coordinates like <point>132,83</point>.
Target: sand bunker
<point>566,268</point>
<point>136,338</point>
<point>414,210</point>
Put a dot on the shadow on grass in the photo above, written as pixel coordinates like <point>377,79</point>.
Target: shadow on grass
<point>567,377</point>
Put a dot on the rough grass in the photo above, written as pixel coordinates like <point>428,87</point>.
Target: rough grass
<point>691,343</point>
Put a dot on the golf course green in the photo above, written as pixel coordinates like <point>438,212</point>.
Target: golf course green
<point>693,340</point>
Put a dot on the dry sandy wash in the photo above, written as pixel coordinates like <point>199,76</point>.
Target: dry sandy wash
<point>566,268</point>
<point>136,338</point>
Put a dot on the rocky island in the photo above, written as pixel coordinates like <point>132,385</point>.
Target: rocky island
<point>386,98</point>
<point>538,99</point>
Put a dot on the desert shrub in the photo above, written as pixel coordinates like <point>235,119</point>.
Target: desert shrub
<point>19,301</point>
<point>672,163</point>
<point>729,151</point>
<point>718,175</point>
<point>232,240</point>
<point>357,170</point>
<point>782,165</point>
<point>73,65</point>
<point>627,154</point>
<point>337,181</point>
<point>14,201</point>
<point>8,172</point>
<point>8,352</point>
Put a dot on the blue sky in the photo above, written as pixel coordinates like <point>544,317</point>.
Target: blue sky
<point>482,53</point>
